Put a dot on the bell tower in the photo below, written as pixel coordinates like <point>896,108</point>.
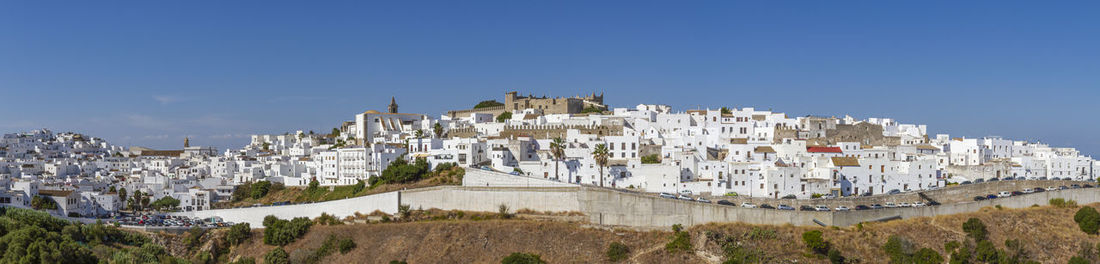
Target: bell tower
<point>393,105</point>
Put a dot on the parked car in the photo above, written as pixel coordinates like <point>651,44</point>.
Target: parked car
<point>1063,187</point>
<point>918,204</point>
<point>1075,186</point>
<point>891,205</point>
<point>862,207</point>
<point>688,192</point>
<point>1029,190</point>
<point>894,191</point>
<point>685,198</point>
<point>806,208</point>
<point>702,200</point>
<point>993,180</point>
<point>865,194</point>
<point>724,202</point>
<point>842,208</point>
<point>1039,190</point>
<point>979,198</point>
<point>821,208</point>
<point>965,182</point>
<point>667,195</point>
<point>516,173</point>
<point>748,205</point>
<point>1003,194</point>
<point>1052,188</point>
<point>905,205</point>
<point>1014,193</point>
<point>979,181</point>
<point>876,206</point>
<point>766,206</point>
<point>785,207</point>
<point>991,196</point>
<point>1087,186</point>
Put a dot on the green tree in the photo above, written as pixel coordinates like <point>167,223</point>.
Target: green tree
<point>419,133</point>
<point>927,256</point>
<point>437,129</point>
<point>488,103</point>
<point>975,229</point>
<point>504,116</point>
<point>681,240</point>
<point>600,154</point>
<point>557,149</point>
<point>522,258</point>
<point>122,194</point>
<point>651,159</point>
<point>238,233</point>
<point>726,111</point>
<point>166,202</point>
<point>260,189</point>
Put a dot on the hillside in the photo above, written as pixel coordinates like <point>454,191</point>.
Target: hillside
<point>1045,234</point>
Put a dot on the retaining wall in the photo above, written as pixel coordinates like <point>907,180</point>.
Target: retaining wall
<point>385,202</point>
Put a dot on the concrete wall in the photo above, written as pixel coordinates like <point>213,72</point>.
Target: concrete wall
<point>489,199</point>
<point>385,202</point>
<point>483,178</point>
<point>1082,196</point>
<point>611,207</point>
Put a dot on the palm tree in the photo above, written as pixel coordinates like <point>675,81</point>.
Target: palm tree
<point>419,133</point>
<point>557,148</point>
<point>438,129</point>
<point>600,154</point>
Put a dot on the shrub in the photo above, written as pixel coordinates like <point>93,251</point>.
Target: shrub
<point>1087,219</point>
<point>951,246</point>
<point>986,252</point>
<point>398,262</point>
<point>488,103</point>
<point>975,229</point>
<point>815,242</point>
<point>238,233</point>
<point>346,245</point>
<point>522,258</point>
<point>898,249</point>
<point>1063,203</point>
<point>835,257</point>
<point>1078,260</point>
<point>926,256</point>
<point>277,256</point>
<point>651,159</point>
<point>503,210</point>
<point>281,232</point>
<point>166,202</point>
<point>327,219</point>
<point>617,251</point>
<point>244,260</point>
<point>681,240</point>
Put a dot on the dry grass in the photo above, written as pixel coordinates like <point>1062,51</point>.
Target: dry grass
<point>1048,235</point>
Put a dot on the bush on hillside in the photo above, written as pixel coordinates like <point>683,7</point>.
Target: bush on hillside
<point>277,256</point>
<point>260,189</point>
<point>238,233</point>
<point>975,229</point>
<point>1087,219</point>
<point>401,171</point>
<point>1063,203</point>
<point>522,258</point>
<point>617,251</point>
<point>681,240</point>
<point>815,242</point>
<point>281,232</point>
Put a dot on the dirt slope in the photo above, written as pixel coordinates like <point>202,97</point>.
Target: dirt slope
<point>1048,235</point>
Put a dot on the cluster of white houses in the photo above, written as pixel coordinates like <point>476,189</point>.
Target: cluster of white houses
<point>736,150</point>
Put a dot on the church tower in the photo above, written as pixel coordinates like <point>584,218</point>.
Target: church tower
<point>186,142</point>
<point>393,105</point>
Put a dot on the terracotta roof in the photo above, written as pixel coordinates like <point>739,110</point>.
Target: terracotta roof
<point>824,150</point>
<point>739,141</point>
<point>846,161</point>
<point>764,149</point>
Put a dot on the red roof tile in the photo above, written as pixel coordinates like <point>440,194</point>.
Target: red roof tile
<point>823,150</point>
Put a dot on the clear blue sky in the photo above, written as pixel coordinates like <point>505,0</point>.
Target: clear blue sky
<point>151,72</point>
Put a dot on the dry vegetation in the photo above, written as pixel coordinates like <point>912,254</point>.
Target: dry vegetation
<point>1048,235</point>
